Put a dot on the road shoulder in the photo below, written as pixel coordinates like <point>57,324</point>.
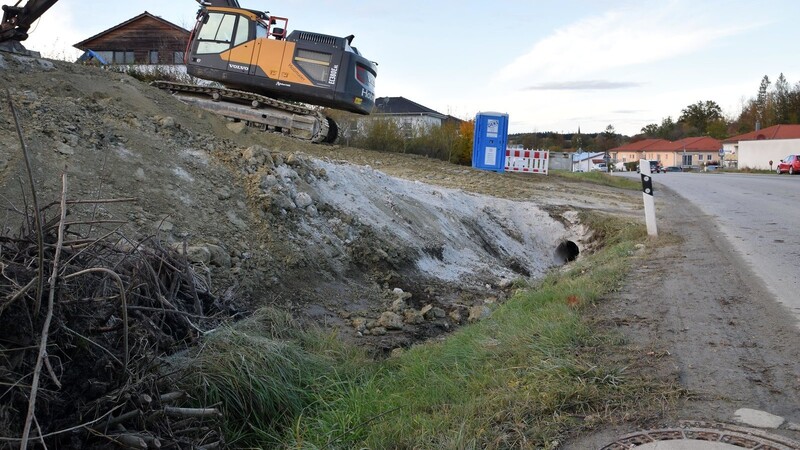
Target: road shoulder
<point>694,313</point>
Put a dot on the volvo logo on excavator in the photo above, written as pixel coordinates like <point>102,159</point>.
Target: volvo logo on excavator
<point>239,67</point>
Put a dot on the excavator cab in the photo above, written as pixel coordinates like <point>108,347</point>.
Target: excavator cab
<point>251,51</point>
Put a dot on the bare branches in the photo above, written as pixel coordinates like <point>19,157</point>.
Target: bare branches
<point>46,327</point>
<point>36,214</point>
<point>124,307</point>
<point>114,307</point>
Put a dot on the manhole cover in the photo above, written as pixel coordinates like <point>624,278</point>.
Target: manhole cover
<point>694,435</point>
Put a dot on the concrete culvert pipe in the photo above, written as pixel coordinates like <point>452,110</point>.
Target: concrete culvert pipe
<point>566,251</point>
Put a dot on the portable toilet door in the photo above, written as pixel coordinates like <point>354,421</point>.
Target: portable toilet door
<point>490,140</point>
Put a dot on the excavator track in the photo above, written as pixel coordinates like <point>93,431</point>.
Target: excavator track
<point>256,110</point>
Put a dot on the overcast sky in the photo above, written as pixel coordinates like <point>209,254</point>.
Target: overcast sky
<point>551,65</point>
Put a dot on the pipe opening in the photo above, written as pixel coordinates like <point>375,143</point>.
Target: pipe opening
<point>566,251</point>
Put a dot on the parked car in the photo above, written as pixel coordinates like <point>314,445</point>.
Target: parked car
<point>672,169</point>
<point>655,167</point>
<point>790,165</point>
<point>601,167</point>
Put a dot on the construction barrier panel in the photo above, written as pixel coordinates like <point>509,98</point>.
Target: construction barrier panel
<point>527,161</point>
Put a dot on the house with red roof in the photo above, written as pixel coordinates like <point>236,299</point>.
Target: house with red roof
<point>756,149</point>
<point>688,152</point>
<point>634,151</point>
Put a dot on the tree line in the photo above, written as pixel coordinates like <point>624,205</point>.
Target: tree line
<point>452,141</point>
<point>774,103</point>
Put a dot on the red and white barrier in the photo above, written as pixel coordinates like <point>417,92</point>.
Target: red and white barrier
<point>527,161</point>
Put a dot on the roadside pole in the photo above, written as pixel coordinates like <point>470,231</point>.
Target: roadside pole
<point>647,194</point>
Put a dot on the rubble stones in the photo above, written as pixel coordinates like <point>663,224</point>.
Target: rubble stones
<point>64,149</point>
<point>390,321</point>
<point>478,312</point>
<point>268,181</point>
<point>236,127</point>
<point>198,254</point>
<point>139,175</point>
<point>505,283</point>
<point>30,62</point>
<point>167,122</point>
<point>359,323</point>
<point>412,317</point>
<point>303,200</point>
<point>256,156</point>
<point>398,305</point>
<point>397,292</point>
<point>218,256</point>
<point>236,220</point>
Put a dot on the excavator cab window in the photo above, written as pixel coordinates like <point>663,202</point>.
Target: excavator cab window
<point>216,33</point>
<point>242,31</point>
<point>261,30</point>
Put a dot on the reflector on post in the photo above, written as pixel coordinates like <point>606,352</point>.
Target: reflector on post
<point>647,194</point>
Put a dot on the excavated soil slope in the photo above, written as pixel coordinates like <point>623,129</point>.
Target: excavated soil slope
<point>392,248</point>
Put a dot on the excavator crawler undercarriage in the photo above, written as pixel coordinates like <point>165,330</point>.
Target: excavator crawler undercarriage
<point>257,111</point>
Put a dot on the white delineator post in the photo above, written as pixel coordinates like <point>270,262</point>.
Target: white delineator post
<point>647,194</point>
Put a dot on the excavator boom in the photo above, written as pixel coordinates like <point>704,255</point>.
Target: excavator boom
<point>17,20</point>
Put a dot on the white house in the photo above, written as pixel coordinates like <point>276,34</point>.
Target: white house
<point>586,162</point>
<point>756,149</point>
<point>410,116</point>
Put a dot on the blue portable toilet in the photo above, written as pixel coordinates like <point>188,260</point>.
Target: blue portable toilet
<point>490,140</point>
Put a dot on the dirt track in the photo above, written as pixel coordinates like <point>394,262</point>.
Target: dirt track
<point>693,312</point>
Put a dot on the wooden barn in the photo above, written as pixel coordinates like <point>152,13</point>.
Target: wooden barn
<point>145,39</point>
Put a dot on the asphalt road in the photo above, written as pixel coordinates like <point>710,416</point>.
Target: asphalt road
<point>758,214</point>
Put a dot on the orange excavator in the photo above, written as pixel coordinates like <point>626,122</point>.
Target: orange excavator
<point>264,75</point>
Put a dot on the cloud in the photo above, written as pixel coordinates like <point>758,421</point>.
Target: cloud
<point>594,85</point>
<point>640,34</point>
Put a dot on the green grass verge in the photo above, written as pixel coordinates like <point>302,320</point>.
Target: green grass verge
<point>523,378</point>
<point>601,178</point>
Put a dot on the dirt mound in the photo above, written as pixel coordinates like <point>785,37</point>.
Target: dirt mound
<point>392,249</point>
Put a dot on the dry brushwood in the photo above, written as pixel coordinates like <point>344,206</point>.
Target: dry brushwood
<point>86,364</point>
<point>116,307</point>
